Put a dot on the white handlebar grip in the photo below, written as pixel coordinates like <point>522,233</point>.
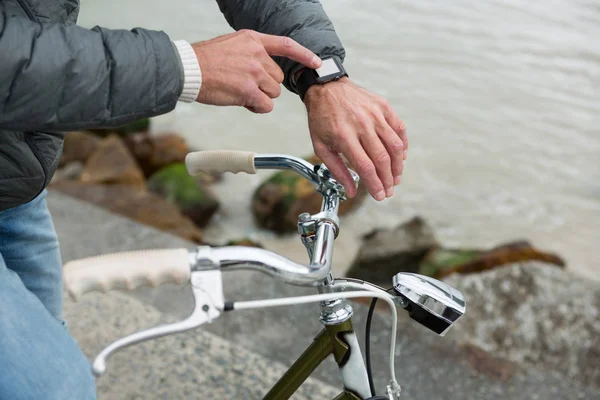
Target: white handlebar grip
<point>220,161</point>
<point>126,270</point>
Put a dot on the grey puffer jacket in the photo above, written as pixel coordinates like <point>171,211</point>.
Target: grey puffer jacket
<point>56,76</point>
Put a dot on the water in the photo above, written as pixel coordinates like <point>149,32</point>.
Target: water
<point>501,100</point>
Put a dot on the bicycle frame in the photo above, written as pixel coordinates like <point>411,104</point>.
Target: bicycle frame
<point>339,341</point>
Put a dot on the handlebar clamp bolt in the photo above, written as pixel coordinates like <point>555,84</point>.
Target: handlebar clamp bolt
<point>304,217</point>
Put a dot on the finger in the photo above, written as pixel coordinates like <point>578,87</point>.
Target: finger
<point>273,69</point>
<point>354,152</point>
<point>260,103</point>
<point>398,126</point>
<point>382,160</point>
<point>394,147</point>
<point>338,168</point>
<point>286,47</point>
<point>269,86</point>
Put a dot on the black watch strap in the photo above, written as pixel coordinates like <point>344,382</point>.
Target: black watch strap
<point>306,79</point>
<point>309,77</point>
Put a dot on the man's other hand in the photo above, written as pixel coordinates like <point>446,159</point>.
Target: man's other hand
<point>237,69</point>
<point>346,119</point>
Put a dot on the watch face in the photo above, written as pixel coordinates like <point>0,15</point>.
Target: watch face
<point>328,68</point>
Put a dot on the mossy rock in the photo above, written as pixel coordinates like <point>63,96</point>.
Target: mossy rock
<point>441,262</point>
<point>439,259</point>
<point>193,198</point>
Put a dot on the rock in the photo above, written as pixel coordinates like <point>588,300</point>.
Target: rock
<point>141,147</point>
<point>384,253</point>
<point>139,205</point>
<point>112,163</point>
<point>142,125</point>
<point>69,172</point>
<point>488,364</point>
<point>167,149</point>
<point>193,198</point>
<point>545,318</point>
<point>154,152</point>
<point>441,262</point>
<point>279,200</point>
<point>78,146</point>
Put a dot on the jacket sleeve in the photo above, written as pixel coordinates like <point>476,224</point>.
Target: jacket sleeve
<point>305,21</point>
<point>65,77</point>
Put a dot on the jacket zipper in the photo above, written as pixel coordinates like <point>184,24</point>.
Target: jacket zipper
<point>35,152</point>
<point>25,8</point>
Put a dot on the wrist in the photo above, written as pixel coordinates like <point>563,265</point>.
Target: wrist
<point>317,91</point>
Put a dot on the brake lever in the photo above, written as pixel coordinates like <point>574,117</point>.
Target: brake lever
<point>207,288</point>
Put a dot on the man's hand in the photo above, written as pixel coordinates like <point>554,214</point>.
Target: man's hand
<point>237,69</point>
<point>345,118</point>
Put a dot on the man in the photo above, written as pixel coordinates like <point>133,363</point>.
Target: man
<point>56,76</point>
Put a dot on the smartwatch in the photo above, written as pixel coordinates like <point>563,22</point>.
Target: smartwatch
<point>331,70</point>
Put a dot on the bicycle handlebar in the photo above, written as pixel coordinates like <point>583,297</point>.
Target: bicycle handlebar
<point>153,267</point>
<point>129,270</point>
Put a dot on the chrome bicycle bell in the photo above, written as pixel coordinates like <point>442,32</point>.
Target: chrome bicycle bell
<point>430,302</point>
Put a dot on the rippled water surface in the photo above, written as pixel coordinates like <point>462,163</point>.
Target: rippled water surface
<point>501,100</point>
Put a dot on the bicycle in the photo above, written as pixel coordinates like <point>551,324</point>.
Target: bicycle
<point>428,301</point>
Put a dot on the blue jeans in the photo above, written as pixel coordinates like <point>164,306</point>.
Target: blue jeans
<point>38,357</point>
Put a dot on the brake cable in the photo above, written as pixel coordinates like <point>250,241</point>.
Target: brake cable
<point>368,346</point>
<point>368,343</point>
